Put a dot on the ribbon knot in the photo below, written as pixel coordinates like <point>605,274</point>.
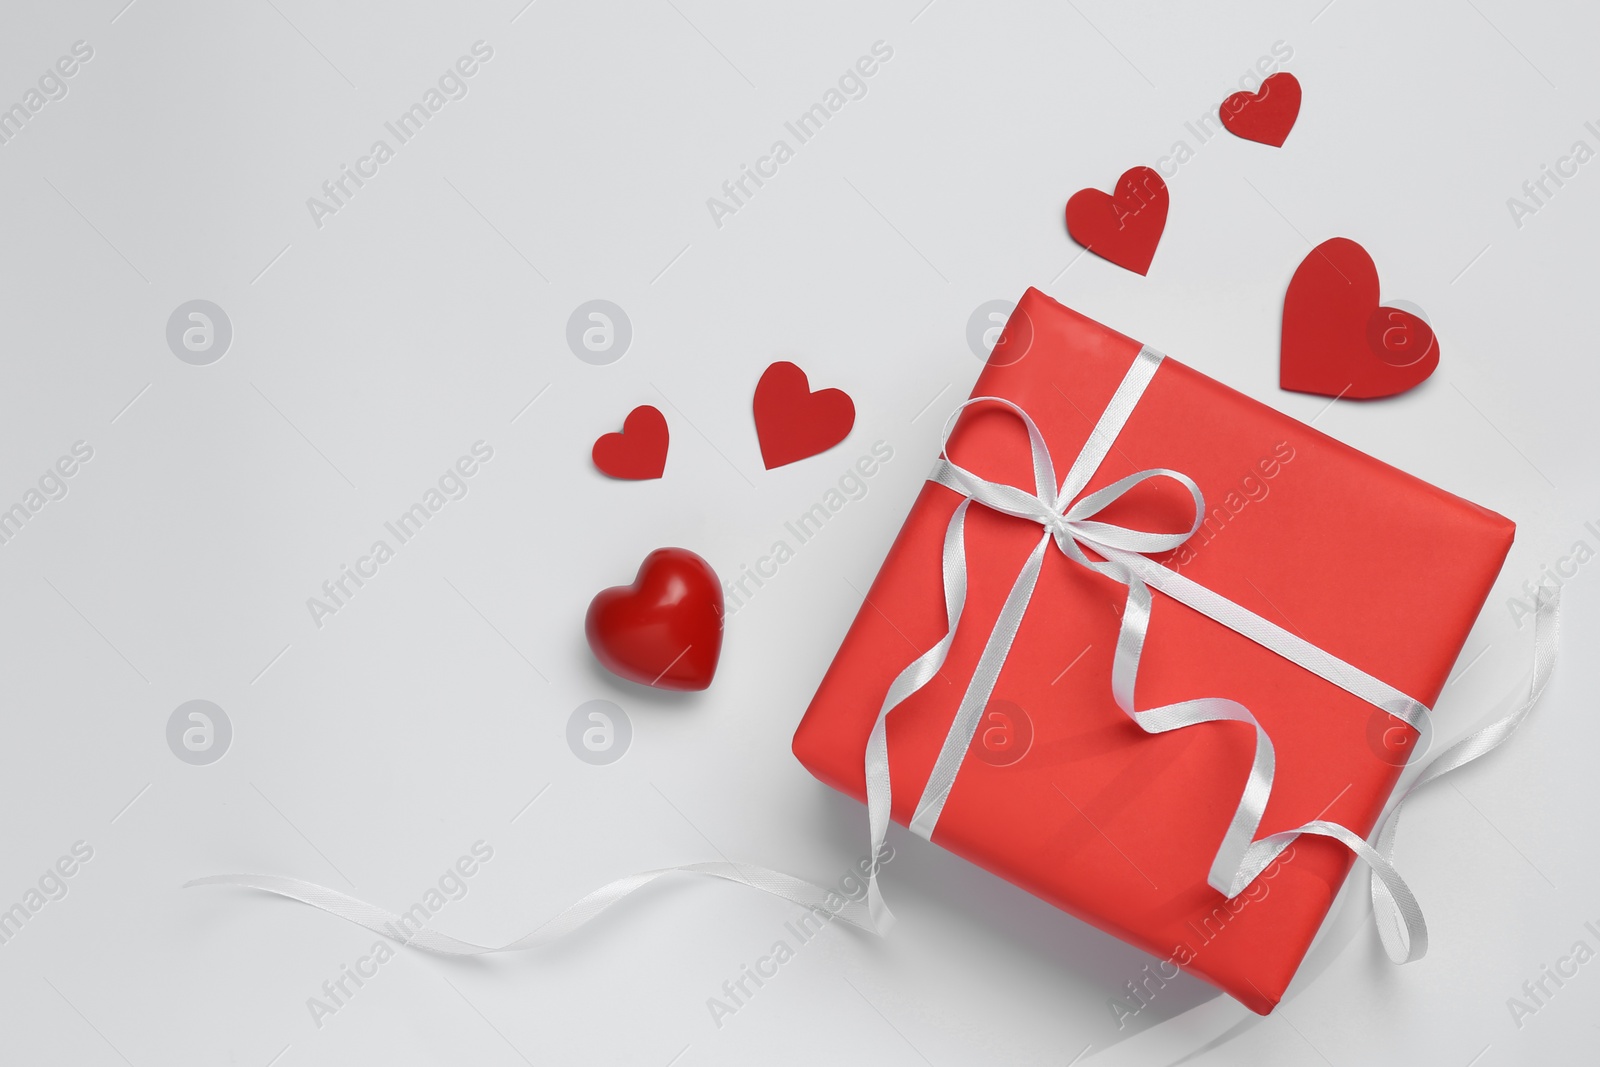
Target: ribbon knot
<point>1063,529</point>
<point>1069,519</point>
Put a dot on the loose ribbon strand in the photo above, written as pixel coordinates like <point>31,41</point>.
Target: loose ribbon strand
<point>387,923</point>
<point>1393,923</point>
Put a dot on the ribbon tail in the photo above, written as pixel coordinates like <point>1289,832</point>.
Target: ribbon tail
<point>1404,934</point>
<point>958,739</point>
<point>407,930</point>
<point>1239,859</point>
<point>1232,866</point>
<point>918,673</point>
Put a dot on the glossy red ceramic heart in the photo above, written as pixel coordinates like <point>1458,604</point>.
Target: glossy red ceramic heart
<point>664,630</point>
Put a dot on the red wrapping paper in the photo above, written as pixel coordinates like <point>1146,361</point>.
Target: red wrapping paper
<point>1106,822</point>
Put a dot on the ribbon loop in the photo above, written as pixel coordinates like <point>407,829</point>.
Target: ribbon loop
<point>1146,542</point>
<point>1071,523</point>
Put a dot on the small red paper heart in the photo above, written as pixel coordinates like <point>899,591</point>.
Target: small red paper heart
<point>1123,227</point>
<point>1266,115</point>
<point>1337,340</point>
<point>792,422</point>
<point>639,452</point>
<point>664,630</point>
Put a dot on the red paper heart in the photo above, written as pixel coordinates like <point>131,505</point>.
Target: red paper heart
<point>664,630</point>
<point>1123,227</point>
<point>1266,115</point>
<point>1337,340</point>
<point>792,422</point>
<point>637,453</point>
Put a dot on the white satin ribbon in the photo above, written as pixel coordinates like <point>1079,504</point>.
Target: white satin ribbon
<point>387,923</point>
<point>1071,524</point>
<point>1406,941</point>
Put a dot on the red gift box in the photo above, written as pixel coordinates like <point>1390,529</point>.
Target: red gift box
<point>1060,792</point>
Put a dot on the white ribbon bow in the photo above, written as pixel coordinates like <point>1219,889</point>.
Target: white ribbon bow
<point>1071,524</point>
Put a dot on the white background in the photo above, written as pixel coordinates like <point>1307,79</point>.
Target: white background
<point>368,354</point>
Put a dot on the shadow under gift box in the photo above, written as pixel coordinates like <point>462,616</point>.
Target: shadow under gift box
<point>1116,826</point>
